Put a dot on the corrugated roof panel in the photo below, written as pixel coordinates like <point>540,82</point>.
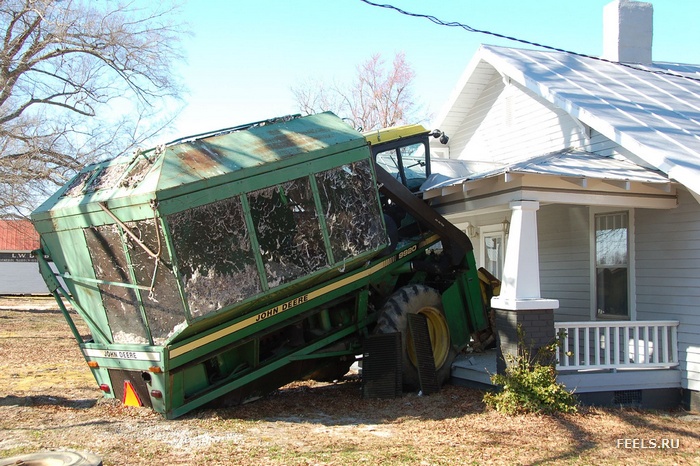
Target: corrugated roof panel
<point>570,163</point>
<point>586,165</point>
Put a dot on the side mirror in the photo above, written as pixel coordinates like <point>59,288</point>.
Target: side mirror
<point>436,133</point>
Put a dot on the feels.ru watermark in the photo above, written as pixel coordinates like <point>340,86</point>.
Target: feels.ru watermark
<point>646,444</point>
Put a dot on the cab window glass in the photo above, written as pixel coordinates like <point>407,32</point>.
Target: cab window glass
<point>414,164</point>
<point>389,161</point>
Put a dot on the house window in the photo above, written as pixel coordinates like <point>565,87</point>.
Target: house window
<point>493,242</point>
<point>612,265</point>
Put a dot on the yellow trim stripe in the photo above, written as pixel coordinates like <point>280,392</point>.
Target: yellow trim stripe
<point>175,352</point>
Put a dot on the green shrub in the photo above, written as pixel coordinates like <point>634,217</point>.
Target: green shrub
<point>529,384</point>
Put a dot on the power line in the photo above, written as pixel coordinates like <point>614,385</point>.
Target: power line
<point>468,28</point>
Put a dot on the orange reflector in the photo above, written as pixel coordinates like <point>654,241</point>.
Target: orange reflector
<point>93,364</point>
<point>130,397</point>
<point>155,369</point>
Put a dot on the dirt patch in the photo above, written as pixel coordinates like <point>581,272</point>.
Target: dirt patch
<point>49,400</point>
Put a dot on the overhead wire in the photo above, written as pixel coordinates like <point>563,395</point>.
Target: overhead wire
<point>468,28</point>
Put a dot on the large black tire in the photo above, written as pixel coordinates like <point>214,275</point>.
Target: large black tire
<point>418,299</point>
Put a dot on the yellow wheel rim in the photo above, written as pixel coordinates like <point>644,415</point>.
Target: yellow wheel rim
<point>439,337</point>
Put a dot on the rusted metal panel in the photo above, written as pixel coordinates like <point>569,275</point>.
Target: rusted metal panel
<point>201,161</point>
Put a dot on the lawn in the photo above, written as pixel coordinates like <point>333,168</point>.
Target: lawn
<point>48,400</point>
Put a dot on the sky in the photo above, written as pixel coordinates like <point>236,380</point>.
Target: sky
<point>243,58</point>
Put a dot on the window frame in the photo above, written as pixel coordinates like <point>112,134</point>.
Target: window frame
<point>492,230</point>
<point>631,284</point>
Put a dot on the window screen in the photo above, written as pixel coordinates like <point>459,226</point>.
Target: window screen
<point>214,255</point>
<point>120,303</point>
<point>288,231</point>
<point>351,210</point>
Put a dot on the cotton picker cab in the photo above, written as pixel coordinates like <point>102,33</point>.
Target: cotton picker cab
<point>228,264</point>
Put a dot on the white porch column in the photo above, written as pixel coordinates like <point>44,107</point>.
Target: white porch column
<point>520,284</point>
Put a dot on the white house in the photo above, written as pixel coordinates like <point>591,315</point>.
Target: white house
<point>578,180</point>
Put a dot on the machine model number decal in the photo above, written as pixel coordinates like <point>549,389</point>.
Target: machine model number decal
<point>408,251</point>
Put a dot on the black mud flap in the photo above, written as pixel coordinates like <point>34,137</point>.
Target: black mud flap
<point>427,375</point>
<point>381,366</point>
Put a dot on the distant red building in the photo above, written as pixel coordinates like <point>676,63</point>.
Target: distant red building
<point>18,236</point>
<point>19,273</point>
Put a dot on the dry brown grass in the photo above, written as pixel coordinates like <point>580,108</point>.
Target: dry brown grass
<point>48,400</point>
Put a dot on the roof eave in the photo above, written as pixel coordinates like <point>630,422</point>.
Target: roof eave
<point>445,117</point>
<point>651,155</point>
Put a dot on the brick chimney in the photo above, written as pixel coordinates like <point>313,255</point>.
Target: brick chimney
<point>627,31</point>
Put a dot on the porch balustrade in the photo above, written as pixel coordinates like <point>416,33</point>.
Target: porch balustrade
<point>617,345</point>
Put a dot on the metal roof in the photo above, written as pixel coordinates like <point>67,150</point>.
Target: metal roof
<point>652,110</point>
<point>569,163</point>
<point>199,161</point>
<point>18,236</point>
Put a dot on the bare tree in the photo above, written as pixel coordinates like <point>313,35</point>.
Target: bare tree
<point>379,96</point>
<point>78,81</point>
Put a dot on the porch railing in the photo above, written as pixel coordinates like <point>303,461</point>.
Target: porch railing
<point>617,344</point>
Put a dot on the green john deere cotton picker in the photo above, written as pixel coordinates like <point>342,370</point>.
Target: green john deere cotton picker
<point>229,264</point>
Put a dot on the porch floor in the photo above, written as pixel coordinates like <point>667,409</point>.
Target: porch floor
<point>475,369</point>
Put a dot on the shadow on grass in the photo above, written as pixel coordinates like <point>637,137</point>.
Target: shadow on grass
<point>582,441</point>
<point>33,311</point>
<point>41,400</point>
<point>637,418</point>
<point>342,403</point>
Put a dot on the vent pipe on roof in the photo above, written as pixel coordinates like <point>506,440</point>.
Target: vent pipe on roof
<point>627,31</point>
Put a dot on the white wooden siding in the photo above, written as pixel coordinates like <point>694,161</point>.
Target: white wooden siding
<point>668,275</point>
<point>691,365</point>
<point>563,238</point>
<point>472,121</point>
<point>601,145</point>
<point>463,98</point>
<point>507,124</point>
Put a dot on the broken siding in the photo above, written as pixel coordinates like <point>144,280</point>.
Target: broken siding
<point>514,125</point>
<point>564,247</point>
<point>668,277</point>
